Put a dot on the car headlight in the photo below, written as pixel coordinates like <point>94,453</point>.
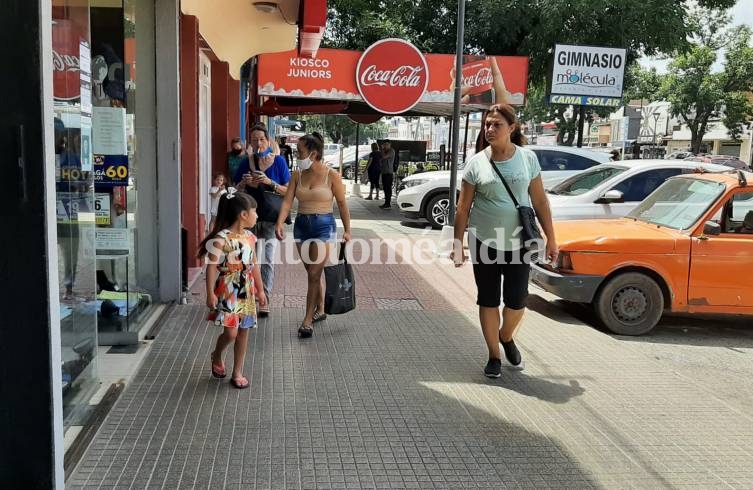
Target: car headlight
<point>413,182</point>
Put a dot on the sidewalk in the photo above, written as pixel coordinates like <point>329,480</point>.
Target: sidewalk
<point>393,396</point>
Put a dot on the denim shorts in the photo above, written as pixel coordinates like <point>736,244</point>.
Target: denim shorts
<point>315,227</point>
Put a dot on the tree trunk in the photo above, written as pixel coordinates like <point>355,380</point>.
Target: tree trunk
<point>695,143</point>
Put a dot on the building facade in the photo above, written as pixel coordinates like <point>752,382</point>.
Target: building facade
<point>121,111</point>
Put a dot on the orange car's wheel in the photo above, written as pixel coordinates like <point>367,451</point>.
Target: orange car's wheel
<point>630,304</point>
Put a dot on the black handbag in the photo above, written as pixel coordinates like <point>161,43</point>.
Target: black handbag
<point>530,233</point>
<point>269,203</point>
<point>340,293</point>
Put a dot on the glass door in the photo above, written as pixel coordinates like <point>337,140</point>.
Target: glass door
<point>75,203</point>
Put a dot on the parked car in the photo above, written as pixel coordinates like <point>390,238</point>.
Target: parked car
<point>426,195</point>
<point>612,190</point>
<point>688,248</point>
<point>332,159</point>
<point>727,160</point>
<point>679,155</point>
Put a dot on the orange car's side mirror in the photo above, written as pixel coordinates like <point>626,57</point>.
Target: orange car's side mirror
<point>711,228</point>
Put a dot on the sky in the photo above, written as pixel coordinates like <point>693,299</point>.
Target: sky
<point>742,13</point>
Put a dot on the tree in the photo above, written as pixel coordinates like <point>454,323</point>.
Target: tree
<point>642,83</point>
<point>340,129</point>
<point>524,27</point>
<point>697,94</point>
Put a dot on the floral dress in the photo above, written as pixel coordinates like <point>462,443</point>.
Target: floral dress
<point>236,305</point>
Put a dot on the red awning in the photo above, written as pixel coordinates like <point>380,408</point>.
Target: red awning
<point>311,27</point>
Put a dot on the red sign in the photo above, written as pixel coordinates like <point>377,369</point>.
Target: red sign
<point>332,76</point>
<point>66,81</point>
<point>392,76</point>
<point>477,76</point>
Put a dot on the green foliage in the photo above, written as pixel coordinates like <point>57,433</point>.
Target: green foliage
<point>340,129</point>
<point>697,94</point>
<point>642,83</point>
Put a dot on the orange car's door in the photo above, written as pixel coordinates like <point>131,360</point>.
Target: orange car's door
<point>721,267</point>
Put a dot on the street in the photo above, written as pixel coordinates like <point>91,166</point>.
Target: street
<point>393,396</point>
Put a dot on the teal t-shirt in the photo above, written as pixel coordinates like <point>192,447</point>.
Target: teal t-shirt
<point>494,218</point>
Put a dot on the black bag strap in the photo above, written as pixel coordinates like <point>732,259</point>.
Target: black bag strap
<point>341,254</point>
<point>509,191</point>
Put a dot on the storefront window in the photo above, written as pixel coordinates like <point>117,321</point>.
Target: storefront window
<point>117,180</point>
<point>76,206</point>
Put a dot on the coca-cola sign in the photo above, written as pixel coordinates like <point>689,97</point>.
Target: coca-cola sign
<point>392,76</point>
<point>66,82</point>
<point>477,75</point>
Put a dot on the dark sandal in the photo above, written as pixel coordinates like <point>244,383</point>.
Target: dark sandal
<point>318,317</point>
<point>236,382</point>
<point>305,331</point>
<point>218,370</point>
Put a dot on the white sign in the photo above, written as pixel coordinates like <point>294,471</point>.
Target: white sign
<point>625,127</point>
<point>588,70</point>
<point>110,131</point>
<point>112,240</point>
<point>102,208</point>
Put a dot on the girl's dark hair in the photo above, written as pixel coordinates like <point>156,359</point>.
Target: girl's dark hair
<point>228,211</point>
<point>508,113</point>
<point>313,142</point>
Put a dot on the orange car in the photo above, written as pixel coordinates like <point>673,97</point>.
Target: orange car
<point>687,248</point>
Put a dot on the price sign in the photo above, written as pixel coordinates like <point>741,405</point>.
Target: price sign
<point>71,204</point>
<point>102,208</point>
<point>110,170</point>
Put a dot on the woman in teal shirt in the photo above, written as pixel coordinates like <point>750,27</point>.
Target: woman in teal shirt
<point>495,244</point>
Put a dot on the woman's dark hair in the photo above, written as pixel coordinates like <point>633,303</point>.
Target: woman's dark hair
<point>313,142</point>
<point>259,127</point>
<point>481,142</point>
<point>230,208</point>
<point>374,147</point>
<point>508,113</point>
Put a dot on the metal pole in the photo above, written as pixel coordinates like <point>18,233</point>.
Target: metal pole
<point>465,137</point>
<point>449,143</point>
<point>581,120</point>
<point>456,111</point>
<point>357,163</point>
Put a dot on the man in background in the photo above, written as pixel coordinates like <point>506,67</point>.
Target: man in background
<point>388,173</point>
<point>286,151</point>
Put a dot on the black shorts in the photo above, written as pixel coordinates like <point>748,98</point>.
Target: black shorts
<point>489,265</point>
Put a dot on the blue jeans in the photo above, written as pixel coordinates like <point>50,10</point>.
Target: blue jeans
<point>315,227</point>
<point>265,234</point>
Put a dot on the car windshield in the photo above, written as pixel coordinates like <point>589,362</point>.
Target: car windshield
<point>585,181</point>
<point>678,203</point>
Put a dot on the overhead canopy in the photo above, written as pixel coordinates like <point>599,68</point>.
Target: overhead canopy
<point>236,30</point>
<point>329,83</point>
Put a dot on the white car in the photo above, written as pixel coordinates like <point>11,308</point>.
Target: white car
<point>612,190</point>
<point>426,195</point>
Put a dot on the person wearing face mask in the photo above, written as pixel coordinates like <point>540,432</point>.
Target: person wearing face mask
<point>316,187</point>
<point>235,156</point>
<point>265,176</point>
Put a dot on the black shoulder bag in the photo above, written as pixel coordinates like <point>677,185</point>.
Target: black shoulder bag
<point>269,202</point>
<point>530,234</point>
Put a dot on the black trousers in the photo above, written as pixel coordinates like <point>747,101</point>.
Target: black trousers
<point>387,187</point>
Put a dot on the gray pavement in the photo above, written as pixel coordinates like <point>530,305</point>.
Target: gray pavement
<point>393,396</point>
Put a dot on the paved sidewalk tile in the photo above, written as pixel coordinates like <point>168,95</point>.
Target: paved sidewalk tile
<point>393,396</point>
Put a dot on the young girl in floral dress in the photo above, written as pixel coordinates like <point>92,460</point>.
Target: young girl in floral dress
<point>233,280</point>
